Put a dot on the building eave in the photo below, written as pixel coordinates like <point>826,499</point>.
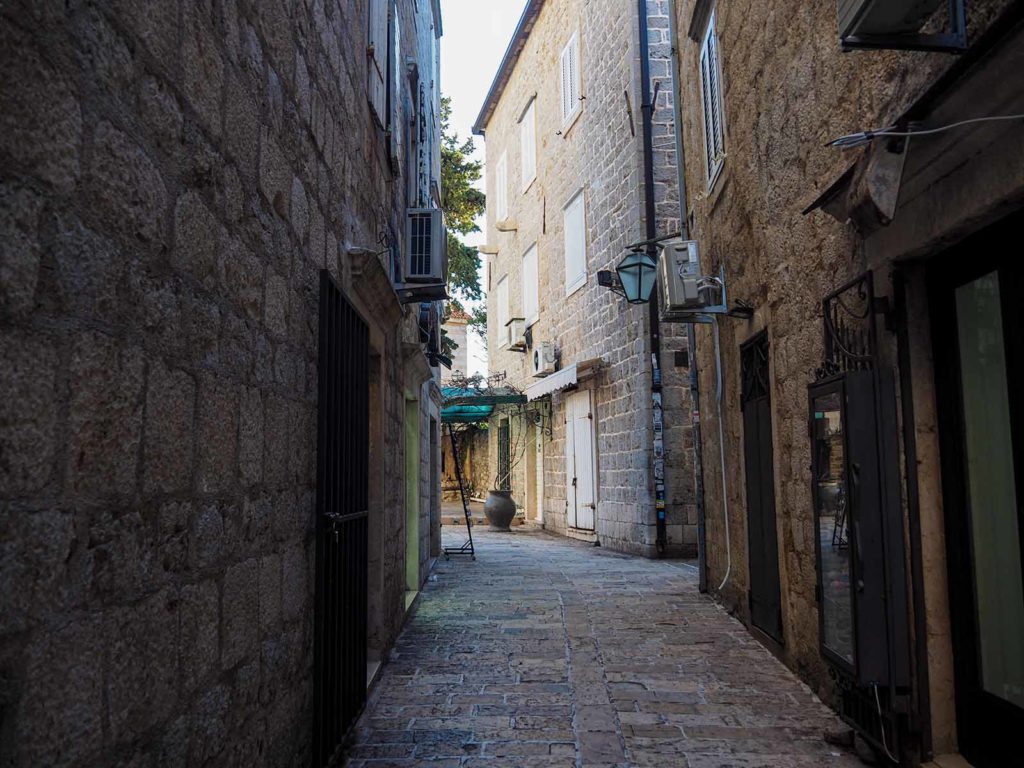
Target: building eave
<point>508,63</point>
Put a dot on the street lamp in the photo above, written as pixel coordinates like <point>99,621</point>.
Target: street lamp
<point>637,273</point>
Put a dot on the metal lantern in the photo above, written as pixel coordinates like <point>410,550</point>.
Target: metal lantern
<point>637,273</point>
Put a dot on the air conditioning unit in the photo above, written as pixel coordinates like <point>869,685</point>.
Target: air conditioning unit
<point>884,17</point>
<point>543,360</point>
<point>679,276</point>
<point>426,246</point>
<point>515,330</point>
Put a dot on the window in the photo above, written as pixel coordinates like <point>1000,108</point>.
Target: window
<point>571,79</point>
<point>377,58</point>
<point>528,145</point>
<point>503,311</point>
<point>531,305</point>
<point>711,96</point>
<point>501,188</point>
<point>575,244</point>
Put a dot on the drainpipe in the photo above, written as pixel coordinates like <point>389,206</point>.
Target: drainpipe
<point>691,336</point>
<point>647,110</point>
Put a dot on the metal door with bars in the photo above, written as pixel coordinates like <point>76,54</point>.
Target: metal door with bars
<point>340,621</point>
<point>762,540</point>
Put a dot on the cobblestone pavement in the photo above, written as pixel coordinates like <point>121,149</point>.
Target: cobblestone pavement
<point>547,652</point>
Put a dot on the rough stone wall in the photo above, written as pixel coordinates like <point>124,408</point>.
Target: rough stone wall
<point>601,153</point>
<point>788,89</point>
<point>174,176</point>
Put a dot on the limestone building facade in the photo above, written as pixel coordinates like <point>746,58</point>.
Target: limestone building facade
<point>564,128</point>
<point>180,183</point>
<point>874,547</point>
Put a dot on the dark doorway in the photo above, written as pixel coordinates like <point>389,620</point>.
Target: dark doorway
<point>343,433</point>
<point>978,333</point>
<point>762,541</point>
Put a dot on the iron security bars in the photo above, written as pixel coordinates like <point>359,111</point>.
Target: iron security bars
<point>340,620</point>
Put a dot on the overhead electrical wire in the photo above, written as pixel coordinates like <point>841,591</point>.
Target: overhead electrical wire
<point>866,137</point>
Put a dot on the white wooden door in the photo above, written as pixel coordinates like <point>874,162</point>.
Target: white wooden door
<point>540,474</point>
<point>581,464</point>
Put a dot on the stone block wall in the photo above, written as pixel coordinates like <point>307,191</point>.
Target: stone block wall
<point>787,90</point>
<point>602,154</point>
<point>173,177</point>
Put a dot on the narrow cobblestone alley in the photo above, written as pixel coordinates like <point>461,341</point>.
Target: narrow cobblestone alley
<point>546,652</point>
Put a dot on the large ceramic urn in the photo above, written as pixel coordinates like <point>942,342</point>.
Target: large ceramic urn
<point>500,508</point>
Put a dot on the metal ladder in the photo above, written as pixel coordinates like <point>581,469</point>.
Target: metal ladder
<point>467,546</point>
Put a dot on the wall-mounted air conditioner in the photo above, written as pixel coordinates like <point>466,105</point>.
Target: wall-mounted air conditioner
<point>858,18</point>
<point>515,330</point>
<point>679,276</point>
<point>543,359</point>
<point>426,246</point>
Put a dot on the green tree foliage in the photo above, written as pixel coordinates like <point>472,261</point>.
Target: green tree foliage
<point>463,203</point>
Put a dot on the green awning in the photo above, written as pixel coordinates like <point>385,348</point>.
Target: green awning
<point>471,406</point>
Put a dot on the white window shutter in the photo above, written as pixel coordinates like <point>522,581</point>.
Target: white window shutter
<point>501,188</point>
<point>575,244</point>
<point>503,311</point>
<point>566,84</point>
<point>574,71</point>
<point>528,146</point>
<point>711,99</point>
<point>377,58</point>
<point>571,83</point>
<point>531,307</point>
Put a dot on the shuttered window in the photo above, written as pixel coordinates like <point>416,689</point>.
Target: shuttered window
<point>575,244</point>
<point>501,188</point>
<point>528,145</point>
<point>503,311</point>
<point>711,96</point>
<point>377,58</point>
<point>531,305</point>
<point>571,79</point>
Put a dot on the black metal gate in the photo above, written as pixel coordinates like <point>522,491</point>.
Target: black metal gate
<point>504,456</point>
<point>762,539</point>
<point>339,674</point>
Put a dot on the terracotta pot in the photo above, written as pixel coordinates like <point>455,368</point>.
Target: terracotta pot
<point>500,508</point>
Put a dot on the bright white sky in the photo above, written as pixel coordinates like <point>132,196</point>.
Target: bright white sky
<point>476,34</point>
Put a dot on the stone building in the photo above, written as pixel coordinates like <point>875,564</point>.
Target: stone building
<point>457,328</point>
<point>564,124</point>
<point>868,523</point>
<point>200,205</point>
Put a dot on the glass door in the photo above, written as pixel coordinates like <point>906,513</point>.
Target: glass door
<point>981,392</point>
<point>832,517</point>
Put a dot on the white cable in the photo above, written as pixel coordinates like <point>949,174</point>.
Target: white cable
<point>859,139</point>
<point>721,453</point>
<point>881,725</point>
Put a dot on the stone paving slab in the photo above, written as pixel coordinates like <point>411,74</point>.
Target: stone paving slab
<point>547,652</point>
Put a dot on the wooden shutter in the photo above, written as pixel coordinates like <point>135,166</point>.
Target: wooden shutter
<point>531,307</point>
<point>503,311</point>
<point>570,462</point>
<point>570,67</point>
<point>501,188</point>
<point>581,484</point>
<point>711,98</point>
<point>377,58</point>
<point>575,244</point>
<point>528,146</point>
